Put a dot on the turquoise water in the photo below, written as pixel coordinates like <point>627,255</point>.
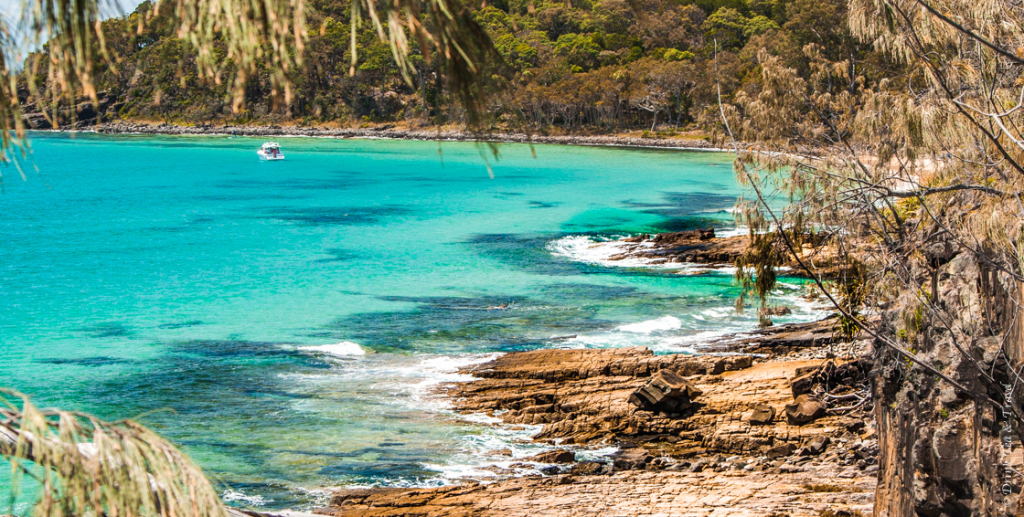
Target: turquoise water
<point>141,274</point>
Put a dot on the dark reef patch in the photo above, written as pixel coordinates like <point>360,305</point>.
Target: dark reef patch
<point>508,194</point>
<point>256,195</point>
<point>687,211</point>
<point>524,252</point>
<point>337,255</point>
<point>232,348</point>
<point>543,204</point>
<point>443,324</point>
<point>109,329</point>
<point>84,361</point>
<point>379,468</point>
<point>168,229</point>
<point>322,216</point>
<point>342,180</point>
<point>180,325</point>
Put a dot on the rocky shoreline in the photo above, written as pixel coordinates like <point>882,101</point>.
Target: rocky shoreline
<point>391,132</point>
<point>696,435</point>
<point>704,247</point>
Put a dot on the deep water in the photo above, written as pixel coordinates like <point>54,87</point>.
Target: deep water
<point>182,281</point>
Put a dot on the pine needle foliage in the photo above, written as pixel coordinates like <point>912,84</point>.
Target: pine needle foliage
<point>903,171</point>
<point>91,468</point>
<point>232,41</point>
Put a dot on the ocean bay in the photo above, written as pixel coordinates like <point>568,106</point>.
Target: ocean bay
<point>150,273</point>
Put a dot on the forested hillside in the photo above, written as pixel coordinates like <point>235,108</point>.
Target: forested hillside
<point>594,65</point>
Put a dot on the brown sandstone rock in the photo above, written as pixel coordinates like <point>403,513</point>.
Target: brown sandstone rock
<point>732,363</point>
<point>780,451</point>
<point>817,445</point>
<point>685,237</point>
<point>630,459</point>
<point>555,456</point>
<point>804,410</point>
<point>762,414</point>
<point>589,468</point>
<point>636,493</point>
<point>666,391</point>
<point>802,384</point>
<point>581,396</point>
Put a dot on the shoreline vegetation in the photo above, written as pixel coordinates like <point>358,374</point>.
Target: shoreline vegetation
<point>390,131</point>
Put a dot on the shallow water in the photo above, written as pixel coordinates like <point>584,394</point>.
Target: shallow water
<point>147,273</point>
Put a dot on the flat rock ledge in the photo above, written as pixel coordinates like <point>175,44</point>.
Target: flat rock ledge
<point>731,451</point>
<point>631,493</point>
<point>582,397</point>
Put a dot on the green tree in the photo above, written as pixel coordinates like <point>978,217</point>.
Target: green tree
<point>578,49</point>
<point>727,27</point>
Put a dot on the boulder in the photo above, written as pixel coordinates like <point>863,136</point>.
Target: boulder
<point>775,311</point>
<point>666,391</point>
<point>780,451</point>
<point>762,414</point>
<point>731,363</point>
<point>555,456</point>
<point>629,459</point>
<point>817,445</point>
<point>802,384</point>
<point>588,468</point>
<point>804,410</point>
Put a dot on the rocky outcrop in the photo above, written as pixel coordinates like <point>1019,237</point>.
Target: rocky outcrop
<point>85,112</point>
<point>725,454</point>
<point>761,414</point>
<point>583,397</point>
<point>783,339</point>
<point>703,246</point>
<point>694,246</point>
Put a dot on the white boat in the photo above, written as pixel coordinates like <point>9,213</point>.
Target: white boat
<point>270,151</point>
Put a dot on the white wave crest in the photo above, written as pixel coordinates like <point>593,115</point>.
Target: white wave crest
<point>343,349</point>
<point>252,500</point>
<point>646,327</point>
<point>732,232</point>
<point>581,248</point>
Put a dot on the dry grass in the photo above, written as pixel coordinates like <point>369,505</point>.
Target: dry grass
<point>823,488</point>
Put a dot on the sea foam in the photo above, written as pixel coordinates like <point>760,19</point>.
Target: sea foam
<point>581,248</point>
<point>251,500</point>
<point>646,327</point>
<point>343,349</point>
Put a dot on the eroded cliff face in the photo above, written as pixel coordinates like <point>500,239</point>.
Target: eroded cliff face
<point>942,451</point>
